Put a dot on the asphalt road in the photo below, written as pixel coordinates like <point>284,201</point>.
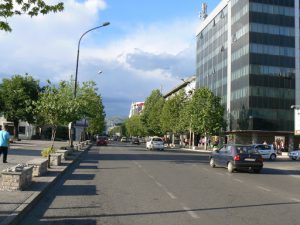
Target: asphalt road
<point>127,185</point>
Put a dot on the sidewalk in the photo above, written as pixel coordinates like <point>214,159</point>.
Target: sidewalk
<point>14,204</point>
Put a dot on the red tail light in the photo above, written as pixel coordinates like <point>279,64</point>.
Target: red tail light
<point>237,158</point>
<point>260,159</point>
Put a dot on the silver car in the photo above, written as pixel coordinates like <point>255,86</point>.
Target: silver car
<point>266,151</point>
<point>155,143</point>
<point>294,155</point>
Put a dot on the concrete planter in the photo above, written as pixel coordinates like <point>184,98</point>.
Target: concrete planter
<point>64,153</point>
<point>39,166</point>
<point>16,178</point>
<point>55,159</point>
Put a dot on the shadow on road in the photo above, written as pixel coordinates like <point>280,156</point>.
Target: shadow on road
<point>175,158</point>
<point>175,211</point>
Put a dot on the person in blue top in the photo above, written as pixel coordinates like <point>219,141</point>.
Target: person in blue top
<point>4,143</point>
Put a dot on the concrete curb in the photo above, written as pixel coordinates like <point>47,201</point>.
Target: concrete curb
<point>16,217</point>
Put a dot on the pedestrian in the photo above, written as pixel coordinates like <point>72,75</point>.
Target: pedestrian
<point>4,143</point>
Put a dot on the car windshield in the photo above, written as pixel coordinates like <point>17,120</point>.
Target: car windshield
<point>157,139</point>
<point>246,150</point>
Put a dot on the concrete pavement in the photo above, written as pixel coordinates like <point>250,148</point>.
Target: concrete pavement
<point>14,204</point>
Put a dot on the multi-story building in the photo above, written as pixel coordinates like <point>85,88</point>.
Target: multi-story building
<point>188,86</point>
<point>248,54</point>
<point>136,108</point>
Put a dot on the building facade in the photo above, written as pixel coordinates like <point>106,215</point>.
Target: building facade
<point>248,54</point>
<point>188,86</point>
<point>136,108</point>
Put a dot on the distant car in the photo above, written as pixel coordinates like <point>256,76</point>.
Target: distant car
<point>266,151</point>
<point>294,155</point>
<point>237,157</point>
<point>101,141</point>
<point>155,143</point>
<point>135,141</point>
<point>123,139</point>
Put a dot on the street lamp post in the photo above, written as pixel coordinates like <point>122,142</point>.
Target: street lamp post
<point>76,74</point>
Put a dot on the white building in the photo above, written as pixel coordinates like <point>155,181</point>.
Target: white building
<point>136,108</point>
<point>26,130</point>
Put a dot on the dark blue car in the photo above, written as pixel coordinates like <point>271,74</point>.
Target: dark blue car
<point>237,157</point>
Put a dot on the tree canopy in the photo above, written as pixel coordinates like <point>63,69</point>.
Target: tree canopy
<point>151,113</point>
<point>17,96</point>
<point>134,126</point>
<point>10,8</point>
<point>171,113</point>
<point>206,112</point>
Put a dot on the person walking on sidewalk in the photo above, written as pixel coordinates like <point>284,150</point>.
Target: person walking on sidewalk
<point>4,143</point>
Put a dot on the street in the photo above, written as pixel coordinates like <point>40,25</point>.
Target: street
<point>123,184</point>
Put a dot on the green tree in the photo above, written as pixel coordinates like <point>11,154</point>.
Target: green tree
<point>17,97</point>
<point>56,106</point>
<point>151,113</point>
<point>134,126</point>
<point>206,112</point>
<point>171,113</point>
<point>91,107</point>
<point>10,8</point>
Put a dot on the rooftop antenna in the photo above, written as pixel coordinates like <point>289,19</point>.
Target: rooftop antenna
<point>203,13</point>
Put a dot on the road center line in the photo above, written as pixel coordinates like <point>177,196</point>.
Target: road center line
<point>295,176</point>
<point>238,180</point>
<point>171,195</point>
<point>158,184</point>
<point>295,199</point>
<point>190,212</point>
<point>263,188</point>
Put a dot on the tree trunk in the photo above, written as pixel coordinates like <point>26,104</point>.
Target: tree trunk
<point>54,128</point>
<point>206,141</point>
<point>16,129</point>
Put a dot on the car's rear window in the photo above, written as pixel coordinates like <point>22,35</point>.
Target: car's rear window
<point>245,149</point>
<point>157,139</point>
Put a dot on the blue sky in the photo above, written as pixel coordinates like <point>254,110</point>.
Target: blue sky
<point>148,45</point>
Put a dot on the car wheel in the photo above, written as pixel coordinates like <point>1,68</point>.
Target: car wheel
<point>294,158</point>
<point>230,167</point>
<point>212,163</point>
<point>256,170</point>
<point>273,157</point>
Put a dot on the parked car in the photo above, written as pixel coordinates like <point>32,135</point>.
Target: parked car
<point>266,151</point>
<point>155,143</point>
<point>101,141</point>
<point>135,141</point>
<point>123,139</point>
<point>294,155</point>
<point>237,157</point>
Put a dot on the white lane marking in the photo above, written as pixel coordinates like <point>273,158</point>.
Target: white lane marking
<point>295,199</point>
<point>158,184</point>
<point>263,188</point>
<point>191,213</point>
<point>238,180</point>
<point>152,177</point>
<point>221,174</point>
<point>171,195</point>
<point>295,176</point>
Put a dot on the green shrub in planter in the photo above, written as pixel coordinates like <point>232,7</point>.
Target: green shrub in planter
<point>47,151</point>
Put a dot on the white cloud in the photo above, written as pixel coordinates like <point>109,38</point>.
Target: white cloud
<point>147,57</point>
